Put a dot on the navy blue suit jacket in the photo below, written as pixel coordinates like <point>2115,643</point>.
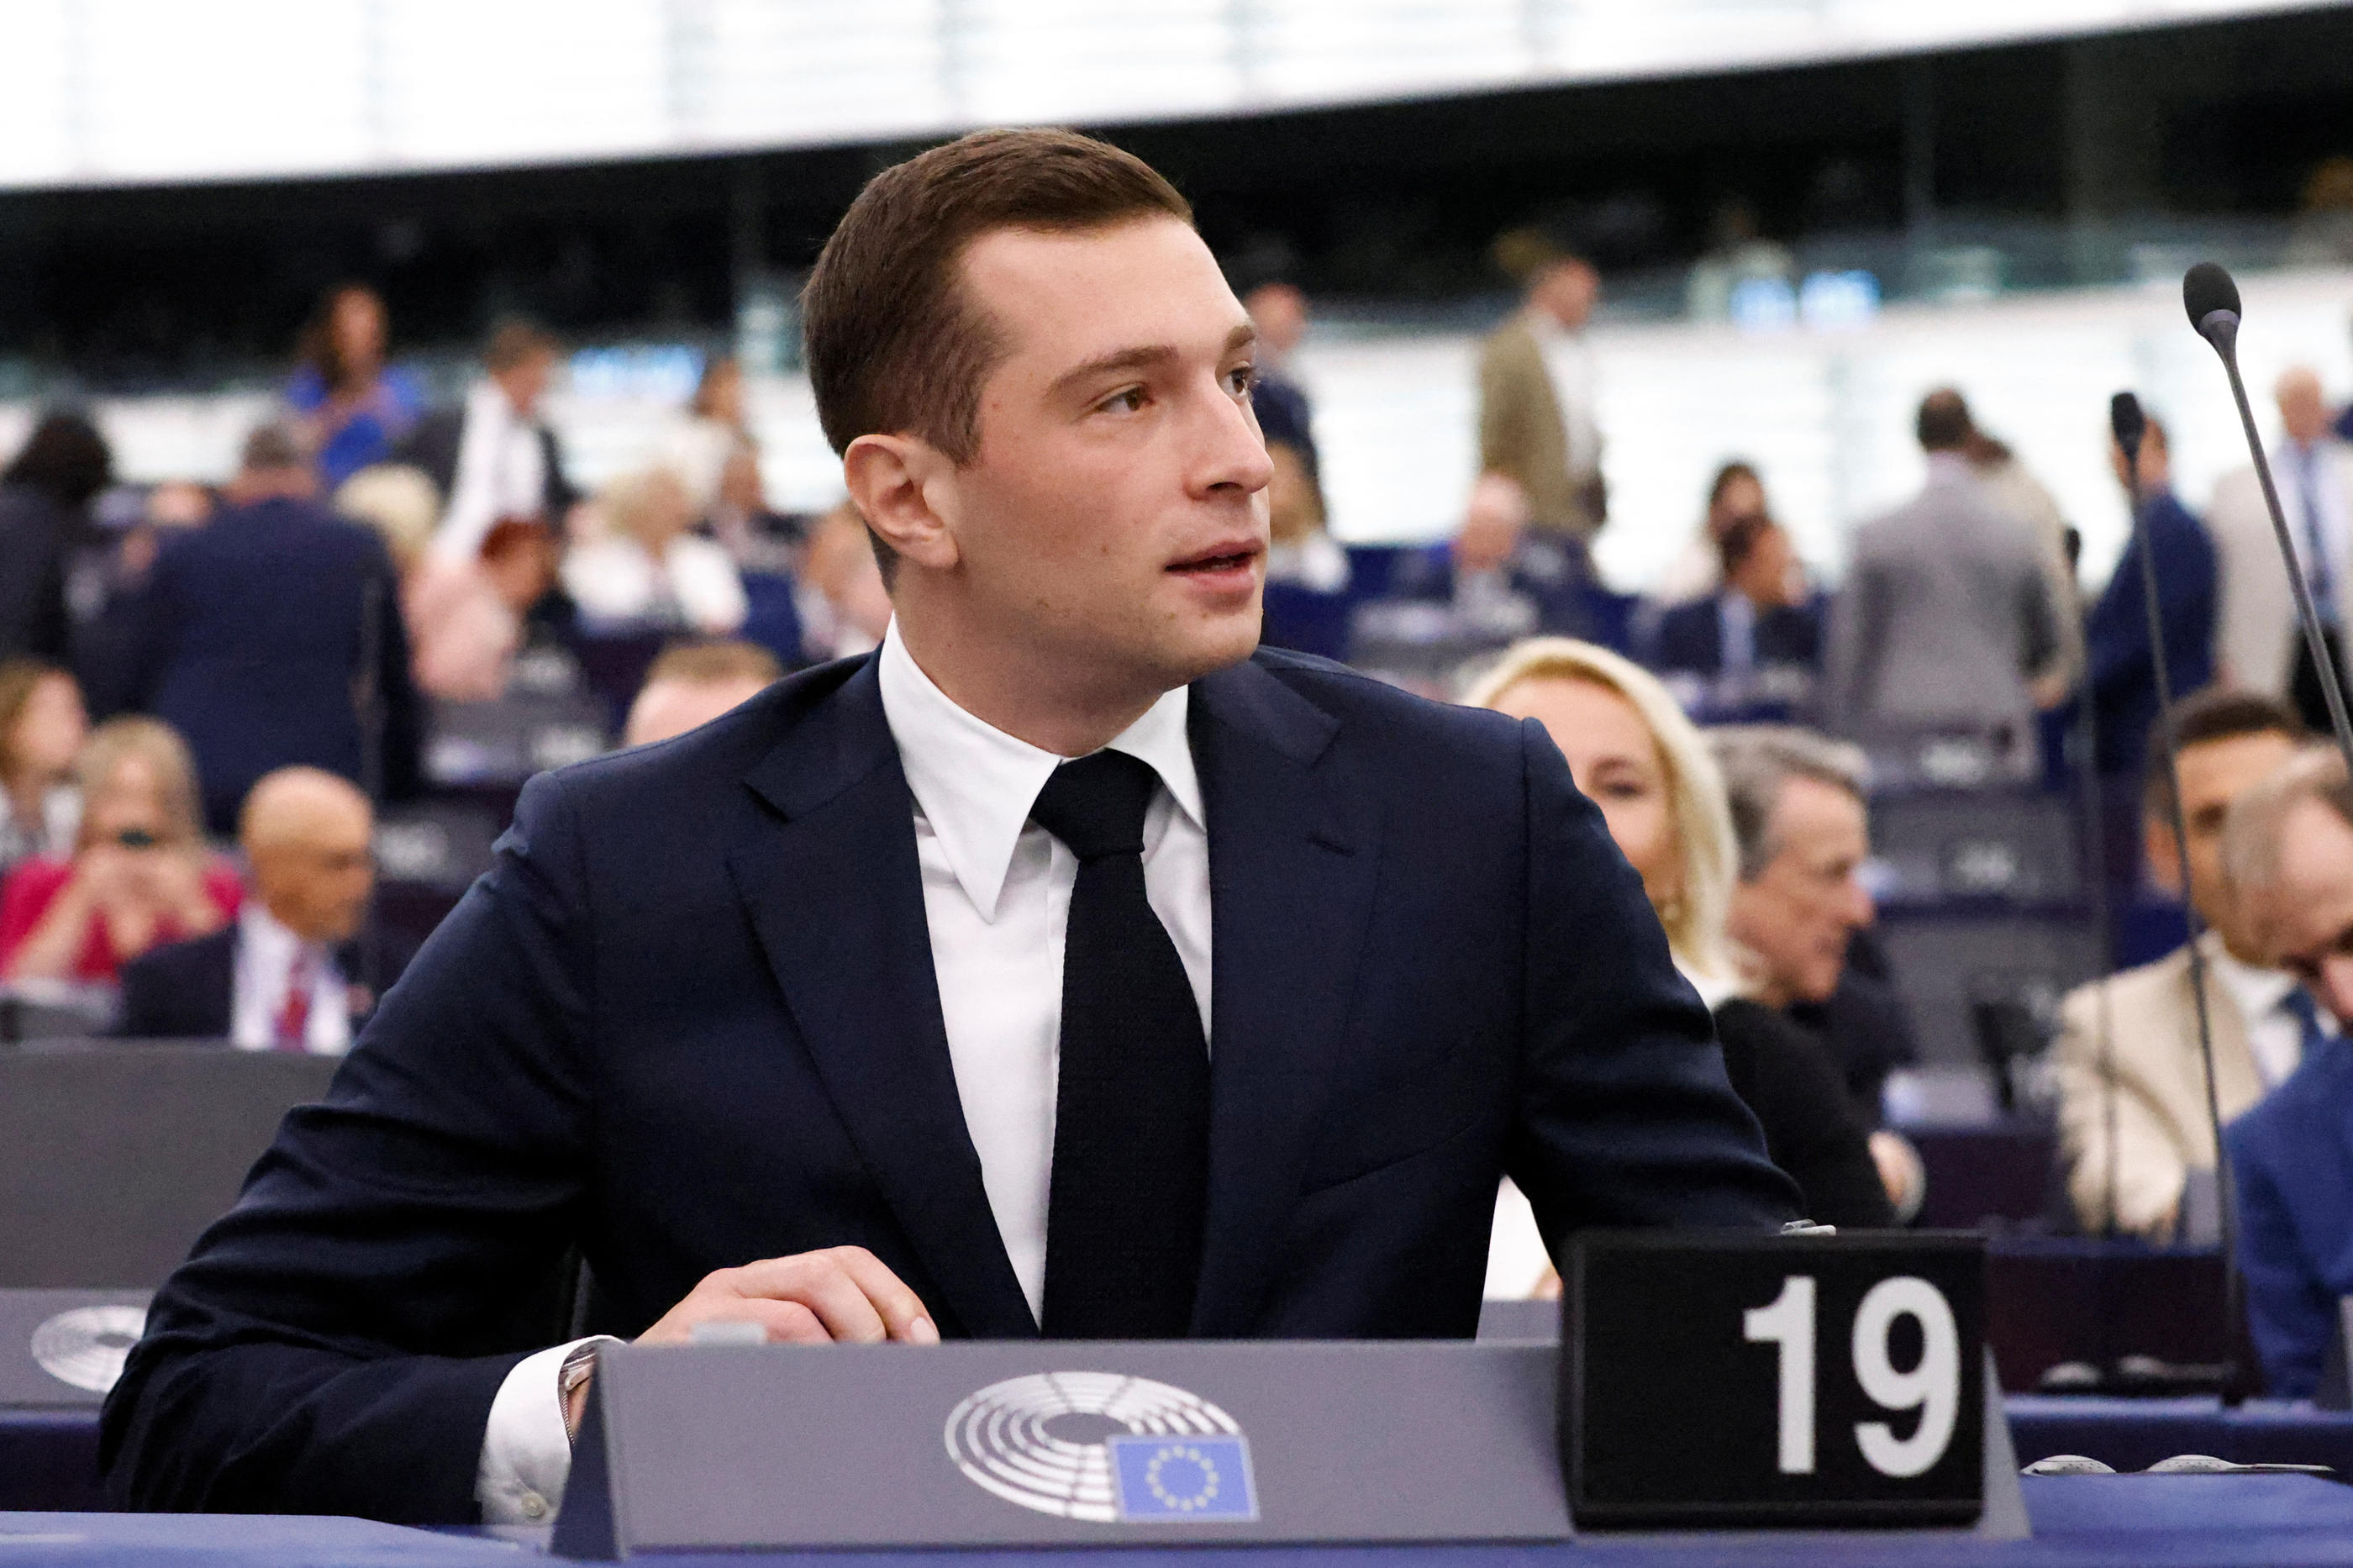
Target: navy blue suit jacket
<point>2116,634</point>
<point>2291,1161</point>
<point>1691,638</point>
<point>690,1021</point>
<point>254,642</point>
<point>187,990</point>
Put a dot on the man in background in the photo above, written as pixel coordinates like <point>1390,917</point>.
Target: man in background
<point>691,684</point>
<point>1947,617</point>
<point>1537,424</point>
<point>285,974</point>
<point>1279,311</point>
<point>2259,646</point>
<point>1753,641</point>
<point>2289,851</point>
<point>271,638</point>
<point>493,458</point>
<point>1799,906</point>
<point>2132,1082</point>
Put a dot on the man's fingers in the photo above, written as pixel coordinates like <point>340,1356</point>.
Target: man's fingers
<point>818,1282</point>
<point>902,1310</point>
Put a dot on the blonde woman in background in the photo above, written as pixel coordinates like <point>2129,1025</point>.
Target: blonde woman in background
<point>646,570</point>
<point>139,876</point>
<point>1634,754</point>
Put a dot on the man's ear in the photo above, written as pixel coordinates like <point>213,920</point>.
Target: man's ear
<point>905,489</point>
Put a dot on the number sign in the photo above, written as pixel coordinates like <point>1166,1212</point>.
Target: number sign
<point>1711,1380</point>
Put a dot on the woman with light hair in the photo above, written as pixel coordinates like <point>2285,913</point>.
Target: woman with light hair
<point>140,875</point>
<point>647,572</point>
<point>1634,754</point>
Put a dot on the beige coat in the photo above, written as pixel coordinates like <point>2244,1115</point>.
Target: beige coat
<point>2161,1128</point>
<point>2255,633</point>
<point>1522,435</point>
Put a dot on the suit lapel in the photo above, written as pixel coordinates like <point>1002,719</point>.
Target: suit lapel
<point>835,894</point>
<point>1291,884</point>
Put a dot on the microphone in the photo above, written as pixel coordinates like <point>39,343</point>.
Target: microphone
<point>2130,426</point>
<point>2212,298</point>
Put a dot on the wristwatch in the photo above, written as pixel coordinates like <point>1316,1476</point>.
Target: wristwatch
<point>573,1376</point>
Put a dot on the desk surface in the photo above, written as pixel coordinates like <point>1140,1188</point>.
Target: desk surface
<point>2127,1521</point>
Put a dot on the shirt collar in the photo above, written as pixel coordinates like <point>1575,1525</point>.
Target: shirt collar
<point>266,937</point>
<point>2255,991</point>
<point>1947,468</point>
<point>974,784</point>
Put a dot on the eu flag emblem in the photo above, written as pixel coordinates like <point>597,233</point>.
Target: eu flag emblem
<point>1180,1479</point>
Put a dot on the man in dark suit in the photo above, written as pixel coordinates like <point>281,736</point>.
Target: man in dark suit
<point>493,457</point>
<point>1059,968</point>
<point>2119,676</point>
<point>286,974</point>
<point>1752,643</point>
<point>271,638</point>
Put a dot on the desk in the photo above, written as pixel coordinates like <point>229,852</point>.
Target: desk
<point>2155,1521</point>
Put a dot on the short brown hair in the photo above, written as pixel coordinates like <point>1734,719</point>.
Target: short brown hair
<point>2217,713</point>
<point>892,344</point>
<point>513,341</point>
<point>709,663</point>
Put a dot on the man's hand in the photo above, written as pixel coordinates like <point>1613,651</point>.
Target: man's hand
<point>812,1297</point>
<point>843,1293</point>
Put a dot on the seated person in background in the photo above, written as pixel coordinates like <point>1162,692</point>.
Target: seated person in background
<point>844,608</point>
<point>1798,814</point>
<point>1753,641</point>
<point>1300,550</point>
<point>1632,751</point>
<point>273,979</point>
<point>690,685</point>
<point>645,571</point>
<point>470,618</point>
<point>42,727</point>
<point>140,875</point>
<point>757,537</point>
<point>1736,496</point>
<point>1496,580</point>
<point>2287,850</point>
<point>2132,1082</point>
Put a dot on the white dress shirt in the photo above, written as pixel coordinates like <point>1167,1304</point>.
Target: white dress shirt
<point>2274,1035</point>
<point>502,472</point>
<point>997,897</point>
<point>2316,505</point>
<point>266,956</point>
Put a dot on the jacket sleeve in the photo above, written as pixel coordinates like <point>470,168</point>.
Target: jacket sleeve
<point>1503,411</point>
<point>2289,1310</point>
<point>2149,1166</point>
<point>333,1344</point>
<point>1850,666</point>
<point>1624,1114</point>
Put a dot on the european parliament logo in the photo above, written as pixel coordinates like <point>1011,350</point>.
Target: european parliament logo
<point>1183,1479</point>
<point>1106,1447</point>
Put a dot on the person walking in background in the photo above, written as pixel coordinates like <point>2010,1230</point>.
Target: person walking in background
<point>45,496</point>
<point>2128,1056</point>
<point>284,974</point>
<point>1947,617</point>
<point>2259,645</point>
<point>645,571</point>
<point>1634,754</point>
<point>494,456</point>
<point>2009,485</point>
<point>140,875</point>
<point>261,629</point>
<point>353,406</point>
<point>42,728</point>
<point>1537,429</point>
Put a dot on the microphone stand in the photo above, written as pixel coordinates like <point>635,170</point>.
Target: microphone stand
<point>2128,437</point>
<point>2095,846</point>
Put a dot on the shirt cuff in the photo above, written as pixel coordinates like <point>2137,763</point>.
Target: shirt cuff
<point>526,1453</point>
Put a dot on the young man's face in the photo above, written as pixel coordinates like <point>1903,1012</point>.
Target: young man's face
<point>1115,511</point>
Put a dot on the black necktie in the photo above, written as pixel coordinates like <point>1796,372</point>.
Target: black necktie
<point>1132,1105</point>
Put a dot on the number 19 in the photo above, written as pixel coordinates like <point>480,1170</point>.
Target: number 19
<point>1933,1387</point>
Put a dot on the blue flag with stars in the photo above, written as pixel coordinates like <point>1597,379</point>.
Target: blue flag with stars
<point>1183,1479</point>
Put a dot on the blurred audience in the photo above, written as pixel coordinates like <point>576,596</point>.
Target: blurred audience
<point>2122,681</point>
<point>353,406</point>
<point>2259,643</point>
<point>45,496</point>
<point>42,728</point>
<point>494,456</point>
<point>1798,903</point>
<point>1537,425</point>
<point>645,571</point>
<point>2131,1079</point>
<point>714,429</point>
<point>757,538</point>
<point>844,606</point>
<point>272,636</point>
<point>139,876</point>
<point>469,619</point>
<point>690,685</point>
<point>1634,754</point>
<point>1753,641</point>
<point>283,975</point>
<point>1279,311</point>
<point>2288,852</point>
<point>1946,620</point>
<point>400,503</point>
<point>1736,496</point>
<point>2011,487</point>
